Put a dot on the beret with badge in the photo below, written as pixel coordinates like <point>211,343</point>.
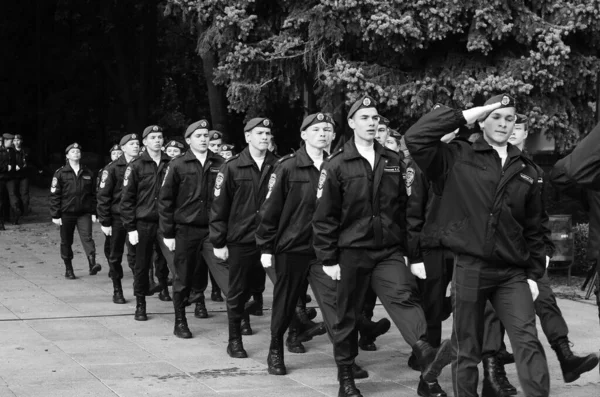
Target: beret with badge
<point>8,136</point>
<point>214,135</point>
<point>198,125</point>
<point>19,136</point>
<point>384,121</point>
<point>315,118</point>
<point>395,134</point>
<point>151,129</point>
<point>127,138</point>
<point>362,103</point>
<point>258,122</point>
<point>73,146</point>
<point>505,100</point>
<point>521,119</point>
<point>176,144</point>
<point>114,148</point>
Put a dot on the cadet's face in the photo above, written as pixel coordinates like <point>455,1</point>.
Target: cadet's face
<point>382,134</point>
<point>17,142</point>
<point>330,133</point>
<point>316,135</point>
<point>498,126</point>
<point>154,141</point>
<point>215,145</point>
<point>198,141</point>
<point>115,154</point>
<point>259,138</point>
<point>74,154</point>
<point>131,148</point>
<point>518,135</point>
<point>392,143</point>
<point>173,151</point>
<point>364,123</point>
<point>226,154</point>
<point>8,142</point>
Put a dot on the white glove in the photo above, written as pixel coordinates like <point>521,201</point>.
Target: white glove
<point>170,243</point>
<point>107,230</point>
<point>406,260</point>
<point>9,167</point>
<point>133,237</point>
<point>222,253</point>
<point>534,289</point>
<point>547,261</point>
<point>418,270</point>
<point>473,114</point>
<point>94,219</point>
<point>266,260</point>
<point>17,167</point>
<point>333,271</point>
<point>57,221</point>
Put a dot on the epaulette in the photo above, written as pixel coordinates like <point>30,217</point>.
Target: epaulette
<point>59,168</point>
<point>232,158</point>
<point>331,156</point>
<point>286,157</point>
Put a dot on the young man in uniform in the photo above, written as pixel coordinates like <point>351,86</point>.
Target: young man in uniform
<point>184,206</point>
<point>139,211</point>
<point>6,165</point>
<point>226,151</point>
<point>18,185</point>
<point>240,190</point>
<point>13,170</point>
<point>109,212</point>
<point>216,141</point>
<point>174,148</point>
<point>115,152</point>
<point>359,229</point>
<point>73,204</point>
<point>489,217</point>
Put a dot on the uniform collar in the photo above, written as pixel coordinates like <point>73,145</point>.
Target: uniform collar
<point>246,160</point>
<point>190,156</point>
<point>351,152</point>
<point>122,161</point>
<point>163,157</point>
<point>481,145</point>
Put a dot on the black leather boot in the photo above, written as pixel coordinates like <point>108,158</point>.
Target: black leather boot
<point>412,363</point>
<point>153,287</point>
<point>118,292</point>
<point>181,329</point>
<point>200,310</point>
<point>347,385</point>
<point>245,327</point>
<point>306,327</point>
<point>572,366</point>
<point>430,389</point>
<point>2,225</point>
<point>358,372</point>
<point>235,347</point>
<point>69,270</point>
<point>432,360</point>
<point>292,342</point>
<point>257,305</point>
<point>275,358</point>
<point>215,294</point>
<point>140,308</point>
<point>163,295</point>
<point>370,331</point>
<point>495,383</point>
<point>94,267</point>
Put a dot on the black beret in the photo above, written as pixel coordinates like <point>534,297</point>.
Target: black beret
<point>8,136</point>
<point>521,119</point>
<point>395,134</point>
<point>315,118</point>
<point>505,100</point>
<point>114,147</point>
<point>176,144</point>
<point>384,121</point>
<point>198,125</point>
<point>258,122</point>
<point>363,103</point>
<point>129,137</point>
<point>73,146</point>
<point>19,136</point>
<point>214,135</point>
<point>150,129</point>
<point>226,147</point>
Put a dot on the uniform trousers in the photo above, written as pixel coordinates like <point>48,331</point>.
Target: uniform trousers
<point>162,259</point>
<point>244,271</point>
<point>4,202</point>
<point>18,193</point>
<point>107,248</point>
<point>385,271</point>
<point>474,283</point>
<point>551,319</point>
<point>118,241</point>
<point>219,269</point>
<point>83,223</point>
<point>147,238</point>
<point>191,259</point>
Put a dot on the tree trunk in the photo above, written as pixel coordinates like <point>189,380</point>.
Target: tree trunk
<point>148,44</point>
<point>216,95</point>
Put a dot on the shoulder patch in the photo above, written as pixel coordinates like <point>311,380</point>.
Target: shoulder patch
<point>165,177</point>
<point>126,177</point>
<point>54,184</point>
<point>219,183</point>
<point>410,176</point>
<point>272,181</point>
<point>322,179</point>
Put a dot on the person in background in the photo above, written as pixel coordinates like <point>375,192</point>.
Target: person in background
<point>18,185</point>
<point>174,148</point>
<point>393,141</point>
<point>226,151</point>
<point>115,152</point>
<point>216,141</point>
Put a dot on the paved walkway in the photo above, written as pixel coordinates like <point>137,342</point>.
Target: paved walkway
<point>66,338</point>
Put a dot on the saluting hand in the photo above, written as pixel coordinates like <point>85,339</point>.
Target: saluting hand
<point>107,230</point>
<point>133,237</point>
<point>57,221</point>
<point>170,243</point>
<point>534,289</point>
<point>222,253</point>
<point>333,271</point>
<point>266,260</point>
<point>473,114</point>
<point>418,270</point>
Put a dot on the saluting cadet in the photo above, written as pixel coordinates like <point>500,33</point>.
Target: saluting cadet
<point>359,229</point>
<point>73,204</point>
<point>240,189</point>
<point>489,216</point>
<point>139,211</point>
<point>109,212</point>
<point>184,206</point>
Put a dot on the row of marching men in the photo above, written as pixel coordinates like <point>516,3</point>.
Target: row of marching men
<point>360,223</point>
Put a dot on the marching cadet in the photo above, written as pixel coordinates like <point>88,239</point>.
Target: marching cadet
<point>109,212</point>
<point>18,185</point>
<point>115,152</point>
<point>216,141</point>
<point>551,319</point>
<point>240,189</point>
<point>13,169</point>
<point>226,151</point>
<point>139,211</point>
<point>6,166</point>
<point>489,216</point>
<point>184,205</point>
<point>174,148</point>
<point>73,204</point>
<point>359,230</point>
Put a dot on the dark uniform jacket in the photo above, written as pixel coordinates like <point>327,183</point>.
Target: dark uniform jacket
<point>240,190</point>
<point>418,209</point>
<point>359,206</point>
<point>21,160</point>
<point>285,218</point>
<point>7,157</point>
<point>141,184</point>
<point>110,186</point>
<point>72,194</point>
<point>187,192</point>
<point>486,210</point>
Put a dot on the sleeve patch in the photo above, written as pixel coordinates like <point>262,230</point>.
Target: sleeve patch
<point>322,180</point>
<point>272,181</point>
<point>410,176</point>
<point>54,185</point>
<point>126,178</point>
<point>219,184</point>
<point>165,178</point>
<point>103,179</point>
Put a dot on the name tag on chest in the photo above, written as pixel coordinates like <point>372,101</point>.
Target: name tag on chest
<point>392,169</point>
